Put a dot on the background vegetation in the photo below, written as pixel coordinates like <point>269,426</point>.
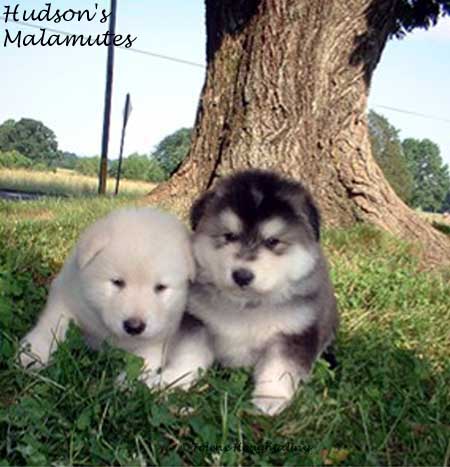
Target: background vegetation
<point>30,144</point>
<point>413,167</point>
<point>65,182</point>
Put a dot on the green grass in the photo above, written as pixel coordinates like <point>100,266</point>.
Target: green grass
<point>388,402</point>
<point>65,182</point>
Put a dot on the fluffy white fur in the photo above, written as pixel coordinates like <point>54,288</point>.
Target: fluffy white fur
<point>143,248</point>
<point>240,335</point>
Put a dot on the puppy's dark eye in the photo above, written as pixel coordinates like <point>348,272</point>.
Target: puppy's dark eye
<point>271,242</point>
<point>230,237</point>
<point>160,288</point>
<point>119,283</point>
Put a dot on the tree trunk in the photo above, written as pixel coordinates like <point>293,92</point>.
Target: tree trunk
<point>286,88</point>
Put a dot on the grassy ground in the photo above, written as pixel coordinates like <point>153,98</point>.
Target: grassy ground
<point>65,183</point>
<point>387,403</point>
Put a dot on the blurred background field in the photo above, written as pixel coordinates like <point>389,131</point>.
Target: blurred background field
<point>65,182</point>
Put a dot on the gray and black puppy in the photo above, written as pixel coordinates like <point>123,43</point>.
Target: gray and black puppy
<point>263,290</point>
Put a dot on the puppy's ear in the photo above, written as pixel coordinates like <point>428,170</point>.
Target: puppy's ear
<point>313,215</point>
<point>302,201</point>
<point>199,207</point>
<point>92,241</point>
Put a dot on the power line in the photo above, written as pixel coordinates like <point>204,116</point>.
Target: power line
<point>128,49</point>
<point>417,114</point>
<point>164,57</point>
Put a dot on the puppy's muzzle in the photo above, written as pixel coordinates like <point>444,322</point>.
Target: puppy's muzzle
<point>242,277</point>
<point>134,326</point>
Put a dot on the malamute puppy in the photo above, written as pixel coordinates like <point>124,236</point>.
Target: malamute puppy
<point>263,289</point>
<point>126,281</point>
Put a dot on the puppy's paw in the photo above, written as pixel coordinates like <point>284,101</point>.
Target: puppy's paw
<point>30,362</point>
<point>270,405</point>
<point>272,397</point>
<point>152,379</point>
<point>173,378</point>
<point>149,377</point>
<point>32,355</point>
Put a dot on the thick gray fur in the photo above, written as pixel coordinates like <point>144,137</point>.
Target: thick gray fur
<point>285,329</point>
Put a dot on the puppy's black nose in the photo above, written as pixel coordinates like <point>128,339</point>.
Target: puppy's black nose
<point>242,277</point>
<point>134,326</point>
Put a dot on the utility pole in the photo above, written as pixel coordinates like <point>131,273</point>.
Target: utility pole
<point>108,96</point>
<point>126,114</point>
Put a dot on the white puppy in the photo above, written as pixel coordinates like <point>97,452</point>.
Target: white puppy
<point>127,282</point>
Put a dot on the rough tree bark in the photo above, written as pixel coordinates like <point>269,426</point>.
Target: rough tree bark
<point>286,88</point>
